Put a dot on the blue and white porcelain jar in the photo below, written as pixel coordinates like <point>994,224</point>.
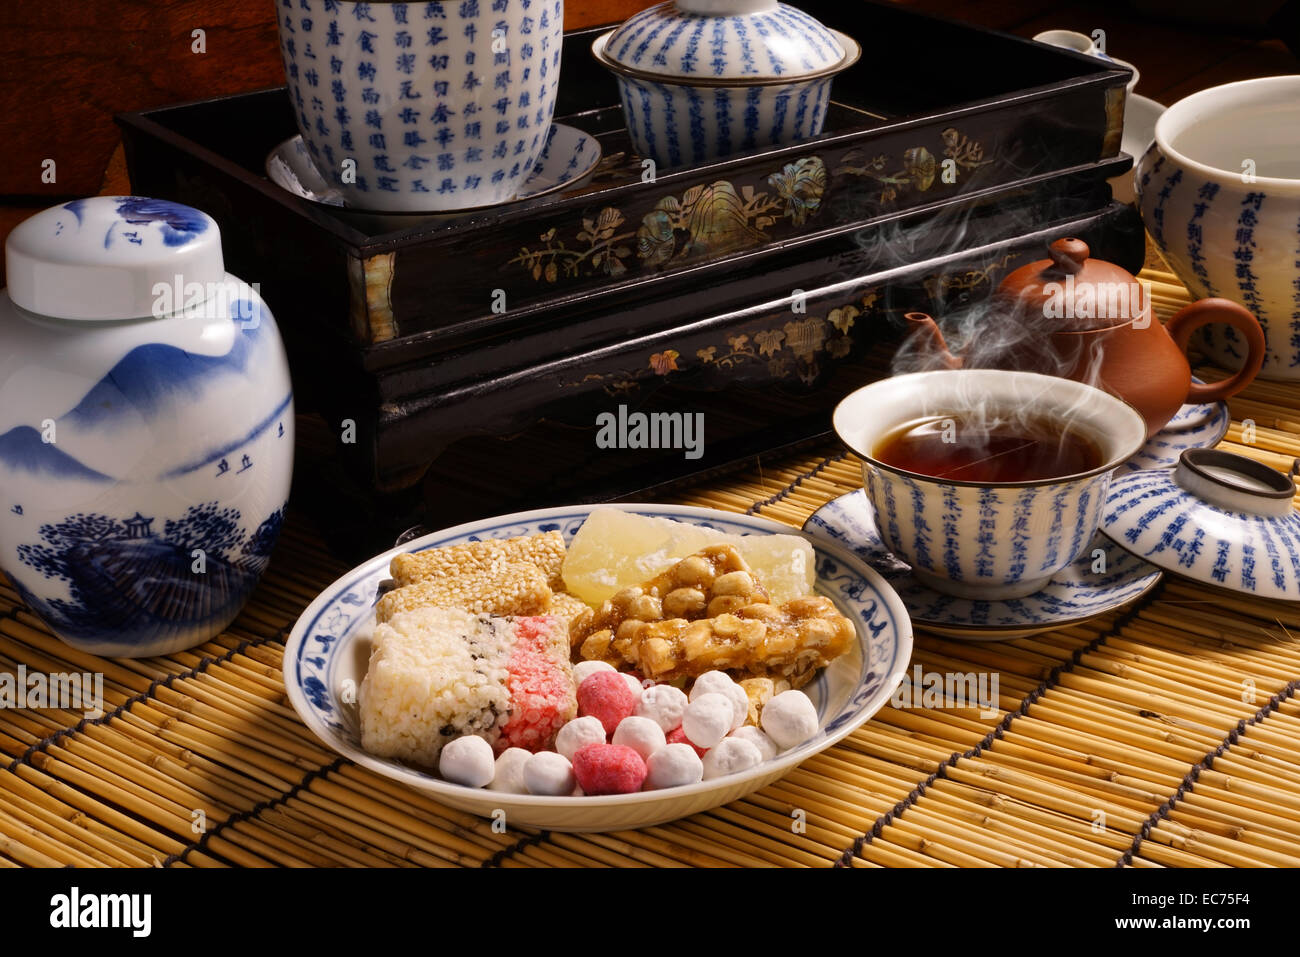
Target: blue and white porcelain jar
<point>423,106</point>
<point>703,79</point>
<point>146,426</point>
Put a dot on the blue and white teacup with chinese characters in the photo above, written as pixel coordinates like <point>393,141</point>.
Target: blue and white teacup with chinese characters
<point>1219,192</point>
<point>423,107</point>
<point>999,539</point>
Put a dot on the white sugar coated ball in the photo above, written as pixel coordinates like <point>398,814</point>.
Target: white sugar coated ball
<point>766,746</point>
<point>642,735</point>
<point>672,766</point>
<point>708,719</point>
<point>468,761</point>
<point>579,733</point>
<point>662,704</point>
<point>636,686</point>
<point>789,718</point>
<point>509,774</point>
<point>729,757</point>
<point>584,668</point>
<point>549,773</point>
<point>719,682</point>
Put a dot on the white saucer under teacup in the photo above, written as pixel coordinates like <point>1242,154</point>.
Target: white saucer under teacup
<point>1196,426</point>
<point>569,155</point>
<point>1104,578</point>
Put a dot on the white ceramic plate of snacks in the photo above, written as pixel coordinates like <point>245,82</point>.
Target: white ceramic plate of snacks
<point>327,653</point>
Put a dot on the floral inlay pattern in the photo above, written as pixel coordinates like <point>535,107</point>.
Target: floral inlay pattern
<point>792,348</point>
<point>706,220</point>
<point>917,168</point>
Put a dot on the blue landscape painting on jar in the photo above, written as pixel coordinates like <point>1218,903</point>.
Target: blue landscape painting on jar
<point>145,527</point>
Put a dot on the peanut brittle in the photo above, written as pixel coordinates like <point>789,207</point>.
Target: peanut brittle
<point>708,613</point>
<point>713,580</point>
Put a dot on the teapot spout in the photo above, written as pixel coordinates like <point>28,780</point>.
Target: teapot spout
<point>928,340</point>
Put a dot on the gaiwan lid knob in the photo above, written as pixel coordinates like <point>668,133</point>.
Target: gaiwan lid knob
<point>1074,293</point>
<point>113,257</point>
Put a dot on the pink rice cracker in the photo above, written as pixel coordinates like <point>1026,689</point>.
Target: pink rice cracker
<point>542,695</point>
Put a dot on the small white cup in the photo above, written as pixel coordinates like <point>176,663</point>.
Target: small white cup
<point>1070,40</point>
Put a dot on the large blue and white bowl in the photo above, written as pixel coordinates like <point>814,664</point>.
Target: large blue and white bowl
<point>146,426</point>
<point>423,107</point>
<point>703,79</point>
<point>981,540</point>
<point>1219,192</point>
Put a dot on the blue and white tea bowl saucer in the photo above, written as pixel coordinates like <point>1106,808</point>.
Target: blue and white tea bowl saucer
<point>569,155</point>
<point>1104,577</point>
<point>1199,426</point>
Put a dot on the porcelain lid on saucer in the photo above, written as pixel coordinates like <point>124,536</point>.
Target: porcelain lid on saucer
<point>1217,518</point>
<point>725,42</point>
<point>109,257</point>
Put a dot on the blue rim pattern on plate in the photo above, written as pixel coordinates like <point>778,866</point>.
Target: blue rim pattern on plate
<point>1075,594</point>
<point>323,636</point>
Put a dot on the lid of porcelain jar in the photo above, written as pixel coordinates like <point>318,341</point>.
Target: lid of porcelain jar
<point>113,257</point>
<point>725,43</point>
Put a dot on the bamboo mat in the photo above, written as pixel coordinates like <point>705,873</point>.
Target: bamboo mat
<point>1166,734</point>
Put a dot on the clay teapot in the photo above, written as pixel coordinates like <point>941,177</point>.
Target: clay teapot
<point>1091,321</point>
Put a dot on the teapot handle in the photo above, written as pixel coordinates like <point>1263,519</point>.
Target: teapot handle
<point>1206,312</point>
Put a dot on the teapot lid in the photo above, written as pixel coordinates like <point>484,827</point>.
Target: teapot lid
<point>110,257</point>
<point>1073,293</point>
<point>725,43</point>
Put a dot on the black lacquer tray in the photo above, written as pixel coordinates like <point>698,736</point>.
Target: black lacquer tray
<point>783,295</point>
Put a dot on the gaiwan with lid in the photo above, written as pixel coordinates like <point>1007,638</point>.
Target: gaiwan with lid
<point>702,79</point>
<point>146,426</point>
<point>1090,320</point>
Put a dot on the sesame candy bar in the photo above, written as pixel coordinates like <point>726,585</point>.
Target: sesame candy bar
<point>508,589</point>
<point>546,551</point>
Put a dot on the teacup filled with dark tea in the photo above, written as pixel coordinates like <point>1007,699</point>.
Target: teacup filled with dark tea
<point>1000,448</point>
<point>987,482</point>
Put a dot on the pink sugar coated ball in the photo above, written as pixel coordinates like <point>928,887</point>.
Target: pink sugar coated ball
<point>608,769</point>
<point>605,695</point>
<point>678,736</point>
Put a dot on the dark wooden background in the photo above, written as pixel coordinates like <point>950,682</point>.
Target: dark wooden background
<point>67,67</point>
